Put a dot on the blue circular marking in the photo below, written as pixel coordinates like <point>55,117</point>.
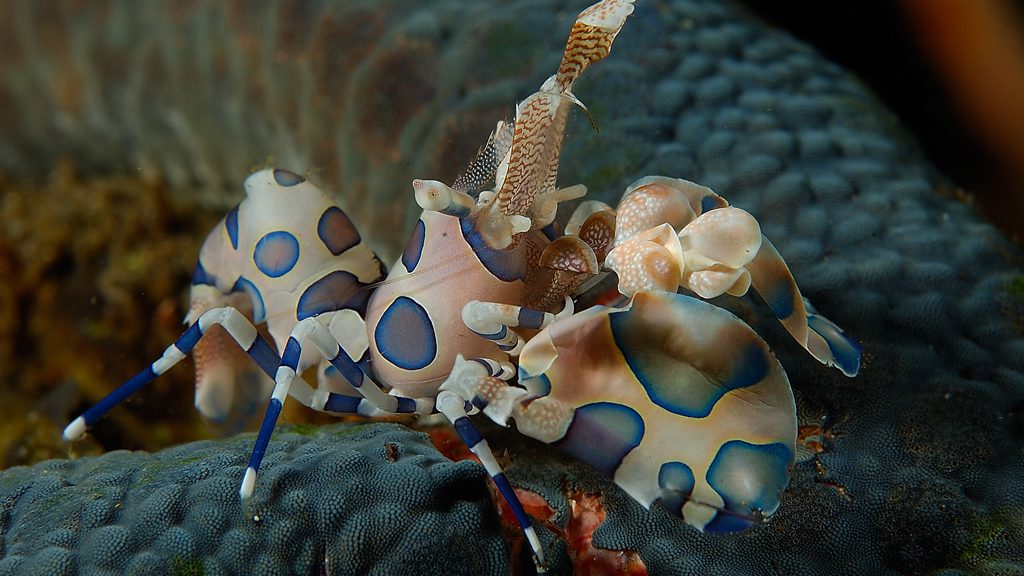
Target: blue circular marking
<point>747,477</point>
<point>779,297</point>
<point>657,369</point>
<point>601,434</point>
<point>231,224</point>
<point>336,291</point>
<point>676,481</point>
<point>405,335</point>
<point>414,249</point>
<point>286,178</point>
<point>276,253</point>
<point>337,231</point>
<point>259,311</point>
<point>750,367</point>
<point>677,477</point>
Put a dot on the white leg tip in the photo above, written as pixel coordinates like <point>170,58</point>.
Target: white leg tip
<point>248,483</point>
<point>74,430</point>
<point>531,536</point>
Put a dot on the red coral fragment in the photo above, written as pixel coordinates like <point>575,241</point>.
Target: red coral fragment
<point>449,444</point>
<point>586,515</point>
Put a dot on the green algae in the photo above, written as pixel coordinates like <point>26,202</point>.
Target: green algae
<point>153,469</point>
<point>302,429</point>
<point>186,567</point>
<point>991,533</point>
<point>1015,286</point>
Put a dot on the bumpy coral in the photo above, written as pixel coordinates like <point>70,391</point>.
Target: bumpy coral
<point>332,500</point>
<point>918,467</point>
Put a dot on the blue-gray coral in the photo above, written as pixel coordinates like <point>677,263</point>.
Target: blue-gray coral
<point>333,500</point>
<point>924,470</point>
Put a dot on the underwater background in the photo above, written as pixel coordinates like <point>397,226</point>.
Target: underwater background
<point>126,129</point>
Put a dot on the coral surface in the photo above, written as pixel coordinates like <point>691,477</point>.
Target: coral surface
<point>341,500</point>
<point>913,467</point>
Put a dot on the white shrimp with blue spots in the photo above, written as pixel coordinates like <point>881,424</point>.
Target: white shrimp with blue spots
<point>478,315</point>
<point>265,248</point>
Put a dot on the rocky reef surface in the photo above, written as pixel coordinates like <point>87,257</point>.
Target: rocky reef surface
<point>913,467</point>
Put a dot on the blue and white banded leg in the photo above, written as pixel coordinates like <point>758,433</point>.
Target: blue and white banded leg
<point>452,405</point>
<point>234,323</point>
<point>485,383</point>
<point>330,334</point>
<point>492,321</point>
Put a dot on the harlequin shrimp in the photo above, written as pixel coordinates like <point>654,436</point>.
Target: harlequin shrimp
<point>676,400</point>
